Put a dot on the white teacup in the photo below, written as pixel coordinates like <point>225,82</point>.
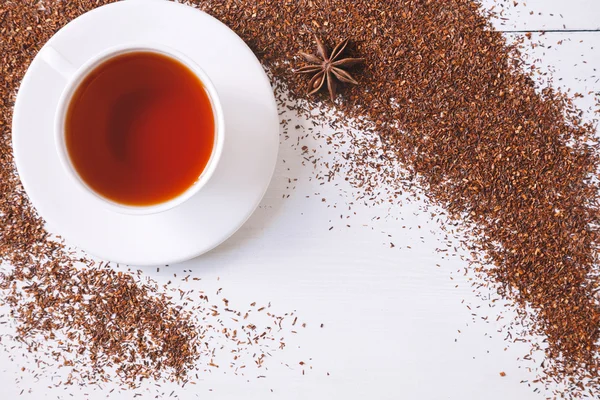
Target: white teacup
<point>75,78</point>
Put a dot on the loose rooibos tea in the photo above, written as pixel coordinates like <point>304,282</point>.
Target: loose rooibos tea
<point>140,128</point>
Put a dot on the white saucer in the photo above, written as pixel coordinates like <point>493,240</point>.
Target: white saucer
<point>241,178</point>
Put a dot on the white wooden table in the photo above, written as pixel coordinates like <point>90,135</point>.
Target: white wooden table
<point>396,320</point>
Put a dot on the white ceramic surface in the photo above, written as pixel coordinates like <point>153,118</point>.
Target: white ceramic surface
<point>249,149</point>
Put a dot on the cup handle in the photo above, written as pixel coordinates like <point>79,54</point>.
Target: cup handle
<point>58,62</point>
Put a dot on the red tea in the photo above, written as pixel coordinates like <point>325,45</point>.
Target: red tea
<point>140,129</point>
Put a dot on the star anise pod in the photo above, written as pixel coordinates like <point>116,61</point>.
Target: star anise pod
<point>328,68</point>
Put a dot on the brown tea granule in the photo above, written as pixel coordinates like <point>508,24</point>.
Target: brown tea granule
<point>450,100</point>
<point>443,96</point>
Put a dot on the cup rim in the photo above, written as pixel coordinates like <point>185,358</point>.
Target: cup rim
<point>63,105</point>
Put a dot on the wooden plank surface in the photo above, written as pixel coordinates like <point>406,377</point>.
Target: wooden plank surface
<point>396,321</point>
<point>533,15</point>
